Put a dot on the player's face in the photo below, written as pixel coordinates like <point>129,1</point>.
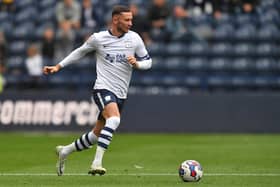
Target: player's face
<point>124,22</point>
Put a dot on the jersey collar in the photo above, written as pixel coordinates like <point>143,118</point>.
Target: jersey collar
<point>114,35</point>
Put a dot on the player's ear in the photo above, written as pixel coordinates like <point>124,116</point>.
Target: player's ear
<point>115,18</point>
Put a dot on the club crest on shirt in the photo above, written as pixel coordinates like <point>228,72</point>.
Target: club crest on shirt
<point>128,44</point>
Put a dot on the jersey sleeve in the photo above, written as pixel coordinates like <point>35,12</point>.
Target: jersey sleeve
<point>141,51</point>
<point>91,43</point>
<point>144,61</point>
<point>77,54</point>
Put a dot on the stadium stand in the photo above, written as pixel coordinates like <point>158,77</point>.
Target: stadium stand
<point>235,52</point>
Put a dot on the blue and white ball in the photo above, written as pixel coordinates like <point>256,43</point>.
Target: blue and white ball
<point>190,171</point>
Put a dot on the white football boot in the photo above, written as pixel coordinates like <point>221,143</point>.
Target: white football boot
<point>60,164</point>
<point>97,170</point>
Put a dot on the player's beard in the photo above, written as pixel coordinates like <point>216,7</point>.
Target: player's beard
<point>121,30</point>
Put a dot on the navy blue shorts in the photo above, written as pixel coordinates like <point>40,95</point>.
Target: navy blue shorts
<point>103,97</point>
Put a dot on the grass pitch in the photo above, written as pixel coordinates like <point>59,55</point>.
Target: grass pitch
<point>149,160</point>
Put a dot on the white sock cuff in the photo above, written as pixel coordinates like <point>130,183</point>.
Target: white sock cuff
<point>113,122</point>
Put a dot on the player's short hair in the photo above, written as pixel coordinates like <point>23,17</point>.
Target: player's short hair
<point>118,9</point>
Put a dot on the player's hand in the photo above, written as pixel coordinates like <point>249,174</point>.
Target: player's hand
<point>132,60</point>
<point>51,69</point>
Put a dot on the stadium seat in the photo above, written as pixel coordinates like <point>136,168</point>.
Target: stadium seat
<point>276,64</point>
<point>66,79</point>
<point>39,30</point>
<point>199,21</point>
<point>43,5</point>
<point>264,82</point>
<point>197,49</point>
<point>46,15</point>
<point>241,82</point>
<point>266,50</point>
<point>268,32</point>
<point>277,82</point>
<point>277,5</point>
<point>269,16</point>
<point>193,81</point>
<point>243,49</point>
<point>174,63</point>
<point>158,35</point>
<point>219,65</point>
<point>171,80</point>
<point>242,20</point>
<point>16,80</point>
<point>140,78</point>
<point>21,5</point>
<point>87,63</point>
<point>158,63</point>
<point>4,16</point>
<point>245,32</point>
<point>115,2</point>
<point>156,49</point>
<point>177,90</point>
<point>242,65</point>
<point>148,80</point>
<point>17,48</point>
<point>196,64</point>
<point>224,19</point>
<point>152,90</point>
<point>218,82</point>
<point>176,49</point>
<point>6,24</point>
<point>221,49</point>
<point>224,31</point>
<point>15,62</point>
<point>25,15</point>
<point>7,27</point>
<point>84,79</point>
<point>23,31</point>
<point>264,65</point>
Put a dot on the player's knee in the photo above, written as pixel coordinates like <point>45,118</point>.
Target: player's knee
<point>113,122</point>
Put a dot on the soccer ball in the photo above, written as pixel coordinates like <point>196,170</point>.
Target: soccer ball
<point>190,171</point>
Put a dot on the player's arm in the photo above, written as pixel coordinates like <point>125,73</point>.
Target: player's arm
<point>73,57</point>
<point>51,69</point>
<point>144,63</point>
<point>143,60</point>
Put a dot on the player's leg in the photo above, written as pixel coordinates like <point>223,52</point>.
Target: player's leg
<point>84,142</point>
<point>112,115</point>
<point>98,126</point>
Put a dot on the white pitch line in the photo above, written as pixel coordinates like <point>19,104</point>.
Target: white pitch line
<point>244,174</point>
<point>145,174</point>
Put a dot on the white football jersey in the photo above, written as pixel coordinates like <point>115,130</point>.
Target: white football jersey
<point>112,68</point>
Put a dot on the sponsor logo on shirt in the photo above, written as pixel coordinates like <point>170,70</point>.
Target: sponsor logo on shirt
<point>116,58</point>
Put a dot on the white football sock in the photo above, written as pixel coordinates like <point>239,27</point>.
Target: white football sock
<point>98,156</point>
<point>105,138</point>
<point>84,142</point>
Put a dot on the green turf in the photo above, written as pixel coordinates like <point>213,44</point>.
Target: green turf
<point>144,160</point>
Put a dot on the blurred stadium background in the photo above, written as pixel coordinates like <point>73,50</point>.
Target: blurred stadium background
<point>216,70</point>
<point>216,66</point>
